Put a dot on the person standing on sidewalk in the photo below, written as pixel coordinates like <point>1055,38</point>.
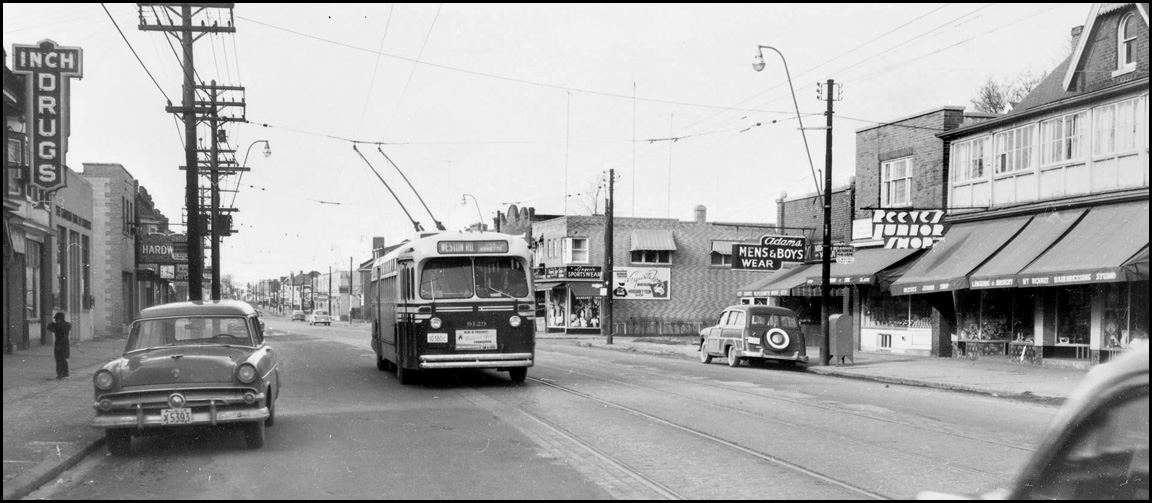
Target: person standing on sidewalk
<point>62,329</point>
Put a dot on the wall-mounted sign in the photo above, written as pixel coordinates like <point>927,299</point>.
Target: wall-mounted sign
<point>642,283</point>
<point>567,272</point>
<point>48,68</point>
<point>770,254</point>
<point>158,248</point>
<point>902,229</point>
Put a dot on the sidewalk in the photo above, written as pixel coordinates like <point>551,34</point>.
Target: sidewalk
<point>46,420</point>
<point>991,375</point>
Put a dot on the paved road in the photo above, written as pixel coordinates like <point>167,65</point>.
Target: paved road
<point>589,424</point>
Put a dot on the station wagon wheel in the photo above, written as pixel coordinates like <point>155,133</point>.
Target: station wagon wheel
<point>518,374</point>
<point>733,360</point>
<point>254,434</point>
<point>119,441</point>
<point>704,356</point>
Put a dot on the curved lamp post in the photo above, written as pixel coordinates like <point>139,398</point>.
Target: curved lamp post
<point>758,65</point>
<point>464,202</point>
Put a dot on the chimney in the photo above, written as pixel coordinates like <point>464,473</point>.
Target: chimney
<point>701,214</point>
<point>1076,32</point>
<point>377,243</point>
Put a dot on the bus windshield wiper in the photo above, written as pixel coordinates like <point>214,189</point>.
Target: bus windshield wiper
<point>494,289</point>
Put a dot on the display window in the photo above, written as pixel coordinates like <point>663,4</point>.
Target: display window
<point>557,308</point>
<point>1125,315</point>
<point>585,312</point>
<point>1073,315</point>
<point>907,311</point>
<point>1006,314</point>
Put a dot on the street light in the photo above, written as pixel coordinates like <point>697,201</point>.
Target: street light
<point>758,65</point>
<point>464,202</point>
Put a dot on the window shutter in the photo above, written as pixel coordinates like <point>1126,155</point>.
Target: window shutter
<point>567,250</point>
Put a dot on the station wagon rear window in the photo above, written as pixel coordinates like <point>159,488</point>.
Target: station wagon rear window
<point>774,320</point>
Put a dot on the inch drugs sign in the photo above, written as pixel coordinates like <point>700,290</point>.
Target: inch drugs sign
<point>48,68</point>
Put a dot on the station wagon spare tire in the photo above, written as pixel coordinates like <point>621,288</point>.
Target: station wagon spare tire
<point>254,434</point>
<point>704,356</point>
<point>733,360</point>
<point>119,441</point>
<point>777,339</point>
<point>518,374</point>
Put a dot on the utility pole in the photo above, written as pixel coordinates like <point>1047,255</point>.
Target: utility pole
<point>150,21</point>
<point>220,219</point>
<point>607,276</point>
<point>329,290</point>
<point>350,283</point>
<point>826,262</point>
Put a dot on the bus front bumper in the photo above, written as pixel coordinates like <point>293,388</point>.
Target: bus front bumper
<point>476,361</point>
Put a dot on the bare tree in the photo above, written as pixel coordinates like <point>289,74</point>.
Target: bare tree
<point>588,199</point>
<point>1000,97</point>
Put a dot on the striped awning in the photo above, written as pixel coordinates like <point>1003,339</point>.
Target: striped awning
<point>655,240</point>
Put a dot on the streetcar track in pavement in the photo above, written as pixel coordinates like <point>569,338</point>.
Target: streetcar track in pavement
<point>999,443</point>
<point>918,457</point>
<point>717,440</point>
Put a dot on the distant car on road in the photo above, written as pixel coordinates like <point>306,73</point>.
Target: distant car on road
<point>298,315</point>
<point>1096,447</point>
<point>754,332</point>
<point>319,316</point>
<point>200,363</point>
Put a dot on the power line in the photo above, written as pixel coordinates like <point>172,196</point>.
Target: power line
<point>413,70</point>
<point>133,49</point>
<point>372,81</point>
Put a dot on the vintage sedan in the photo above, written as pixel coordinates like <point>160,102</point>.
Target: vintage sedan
<point>189,364</point>
<point>1096,447</point>
<point>754,332</point>
<point>319,316</point>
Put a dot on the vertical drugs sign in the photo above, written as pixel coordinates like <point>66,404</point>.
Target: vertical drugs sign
<point>48,68</point>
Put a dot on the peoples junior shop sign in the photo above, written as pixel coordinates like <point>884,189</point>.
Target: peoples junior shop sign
<point>49,68</point>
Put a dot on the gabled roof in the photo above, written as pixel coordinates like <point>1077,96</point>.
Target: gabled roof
<point>1097,10</point>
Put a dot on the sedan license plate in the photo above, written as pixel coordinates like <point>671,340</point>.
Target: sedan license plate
<point>176,416</point>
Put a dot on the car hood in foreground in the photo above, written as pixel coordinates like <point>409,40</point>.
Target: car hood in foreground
<point>180,364</point>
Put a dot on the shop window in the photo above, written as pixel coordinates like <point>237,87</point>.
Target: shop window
<point>557,309</point>
<point>32,270</point>
<point>1125,316</point>
<point>585,312</point>
<point>909,311</point>
<point>653,257</point>
<point>996,314</point>
<point>1073,315</point>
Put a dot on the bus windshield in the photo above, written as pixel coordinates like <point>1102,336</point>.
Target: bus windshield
<point>460,278</point>
<point>500,277</point>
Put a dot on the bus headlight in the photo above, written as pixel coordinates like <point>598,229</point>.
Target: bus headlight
<point>514,321</point>
<point>435,323</point>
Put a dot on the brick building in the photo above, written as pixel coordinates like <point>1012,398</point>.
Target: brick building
<point>114,246</point>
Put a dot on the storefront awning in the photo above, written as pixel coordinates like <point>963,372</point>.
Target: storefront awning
<point>1095,250</point>
<point>865,264</point>
<point>1138,266</point>
<point>585,289</point>
<point>723,247</point>
<point>1040,233</point>
<point>782,282</point>
<point>947,264</point>
<point>653,239</point>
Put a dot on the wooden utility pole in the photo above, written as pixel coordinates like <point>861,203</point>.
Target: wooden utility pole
<point>826,262</point>
<point>151,20</point>
<point>609,209</point>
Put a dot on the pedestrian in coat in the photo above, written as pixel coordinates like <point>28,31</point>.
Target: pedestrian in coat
<point>62,329</point>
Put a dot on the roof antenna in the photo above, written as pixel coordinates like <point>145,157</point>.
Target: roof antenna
<point>419,228</point>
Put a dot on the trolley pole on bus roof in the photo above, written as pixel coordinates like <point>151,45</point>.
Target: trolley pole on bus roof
<point>606,275</point>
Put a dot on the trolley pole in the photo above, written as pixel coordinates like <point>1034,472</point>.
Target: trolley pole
<point>606,326</point>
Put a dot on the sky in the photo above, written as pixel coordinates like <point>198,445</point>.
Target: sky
<point>482,106</point>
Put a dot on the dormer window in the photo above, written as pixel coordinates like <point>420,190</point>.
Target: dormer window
<point>1126,45</point>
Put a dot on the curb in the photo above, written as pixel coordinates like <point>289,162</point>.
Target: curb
<point>36,479</point>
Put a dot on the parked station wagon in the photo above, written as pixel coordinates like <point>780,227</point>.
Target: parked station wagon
<point>189,364</point>
<point>754,332</point>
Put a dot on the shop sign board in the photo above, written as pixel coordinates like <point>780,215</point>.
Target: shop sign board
<point>901,229</point>
<point>569,272</point>
<point>49,68</point>
<point>1074,278</point>
<point>642,283</point>
<point>770,254</point>
<point>157,248</point>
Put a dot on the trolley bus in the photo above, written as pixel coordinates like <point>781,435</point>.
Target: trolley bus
<point>453,301</point>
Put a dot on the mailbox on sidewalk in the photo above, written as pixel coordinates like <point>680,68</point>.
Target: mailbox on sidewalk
<point>840,342</point>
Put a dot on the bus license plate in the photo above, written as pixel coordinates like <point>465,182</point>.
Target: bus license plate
<point>441,338</point>
<point>475,339</point>
<point>176,416</point>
